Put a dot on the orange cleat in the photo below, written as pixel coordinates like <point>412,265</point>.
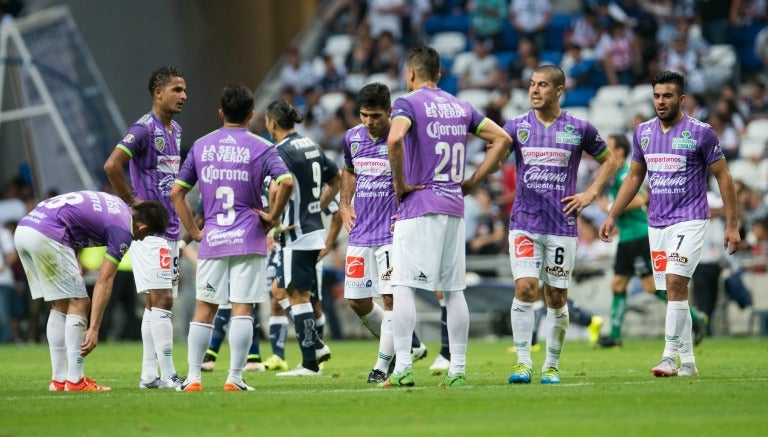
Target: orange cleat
<point>56,385</point>
<point>85,384</point>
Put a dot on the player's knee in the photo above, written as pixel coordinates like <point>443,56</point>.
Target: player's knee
<point>361,307</point>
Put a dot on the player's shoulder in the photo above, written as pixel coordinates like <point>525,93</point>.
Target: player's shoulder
<point>145,123</point>
<point>523,119</point>
<point>647,126</point>
<point>355,133</point>
<point>175,125</point>
<point>696,123</point>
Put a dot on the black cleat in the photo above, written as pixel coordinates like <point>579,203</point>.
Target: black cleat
<point>609,342</point>
<point>376,377</point>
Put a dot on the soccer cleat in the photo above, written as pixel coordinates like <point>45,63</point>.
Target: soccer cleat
<point>376,377</point>
<point>609,342</point>
<point>419,352</point>
<point>189,387</point>
<point>594,329</point>
<point>300,371</point>
<point>550,375</point>
<point>687,369</point>
<point>56,385</point>
<point>174,382</point>
<point>404,379</point>
<point>457,380</point>
<point>85,384</point>
<point>534,348</point>
<point>275,363</point>
<point>209,362</point>
<point>253,366</point>
<point>441,364</point>
<point>237,386</point>
<point>665,368</point>
<point>323,354</point>
<point>155,383</point>
<point>521,374</point>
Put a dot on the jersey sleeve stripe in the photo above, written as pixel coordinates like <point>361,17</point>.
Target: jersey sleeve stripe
<point>480,126</point>
<point>111,258</point>
<point>182,183</point>
<point>601,154</point>
<point>125,149</point>
<point>283,177</point>
<point>404,118</point>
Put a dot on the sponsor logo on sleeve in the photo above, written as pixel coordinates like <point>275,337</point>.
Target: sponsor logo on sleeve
<point>129,139</point>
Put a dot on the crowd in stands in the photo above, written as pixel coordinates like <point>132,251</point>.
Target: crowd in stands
<point>609,50</point>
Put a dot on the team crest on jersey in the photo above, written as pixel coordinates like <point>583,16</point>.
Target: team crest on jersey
<point>644,141</point>
<point>353,148</point>
<point>160,144</point>
<point>523,135</point>
<point>129,139</point>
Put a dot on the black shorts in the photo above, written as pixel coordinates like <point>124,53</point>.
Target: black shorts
<point>302,274</point>
<point>633,258</point>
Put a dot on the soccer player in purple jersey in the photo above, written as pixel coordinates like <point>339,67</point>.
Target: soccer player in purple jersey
<point>676,150</point>
<point>547,143</point>
<point>367,178</point>
<point>151,150</point>
<point>230,164</point>
<point>47,239</point>
<point>427,145</point>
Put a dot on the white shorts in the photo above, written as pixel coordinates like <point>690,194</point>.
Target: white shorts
<point>676,249</point>
<point>428,252</point>
<point>155,263</point>
<point>51,267</point>
<point>367,272</point>
<point>546,257</point>
<point>236,279</point>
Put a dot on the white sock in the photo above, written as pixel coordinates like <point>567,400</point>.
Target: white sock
<point>198,339</point>
<point>320,324</point>
<point>403,324</point>
<point>686,341</point>
<point>674,325</point>
<point>148,359</point>
<point>240,337</point>
<point>373,320</point>
<point>162,334</point>
<point>74,335</point>
<point>458,330</point>
<point>286,305</point>
<point>57,345</point>
<point>557,326</point>
<point>521,314</point>
<point>386,343</point>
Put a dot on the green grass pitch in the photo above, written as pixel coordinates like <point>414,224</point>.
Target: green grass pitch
<point>603,393</point>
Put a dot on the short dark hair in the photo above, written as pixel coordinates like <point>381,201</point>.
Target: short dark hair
<point>162,77</point>
<point>671,77</point>
<point>284,114</point>
<point>374,95</point>
<point>153,214</point>
<point>236,103</point>
<point>425,61</point>
<point>555,73</point>
<point>622,143</point>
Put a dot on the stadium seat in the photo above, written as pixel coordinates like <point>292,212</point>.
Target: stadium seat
<point>758,128</point>
<point>607,118</point>
<point>556,30</point>
<point>509,36</point>
<point>354,82</point>
<point>578,97</point>
<point>331,102</point>
<point>578,111</point>
<point>339,45</point>
<point>476,97</point>
<point>384,78</point>
<point>641,93</point>
<point>551,57</point>
<point>506,58</point>
<point>447,23</point>
<point>752,147</point>
<point>617,95</point>
<point>512,109</point>
<point>449,83</point>
<point>644,108</point>
<point>449,43</point>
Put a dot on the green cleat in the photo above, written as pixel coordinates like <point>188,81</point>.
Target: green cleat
<point>521,374</point>
<point>550,375</point>
<point>457,380</point>
<point>404,379</point>
<point>275,363</point>
<point>594,330</point>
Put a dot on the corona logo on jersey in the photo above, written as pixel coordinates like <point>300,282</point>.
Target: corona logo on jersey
<point>355,267</point>
<point>165,258</point>
<point>523,247</point>
<point>659,259</point>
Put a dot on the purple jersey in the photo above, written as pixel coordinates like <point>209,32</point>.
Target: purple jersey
<point>231,164</point>
<point>374,199</point>
<point>677,161</point>
<point>84,219</point>
<point>154,163</point>
<point>435,150</point>
<point>547,160</point>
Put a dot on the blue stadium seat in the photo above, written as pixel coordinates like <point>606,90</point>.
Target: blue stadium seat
<point>449,83</point>
<point>555,31</point>
<point>447,23</point>
<point>509,36</point>
<point>506,58</point>
<point>743,40</point>
<point>578,97</point>
<point>551,56</point>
